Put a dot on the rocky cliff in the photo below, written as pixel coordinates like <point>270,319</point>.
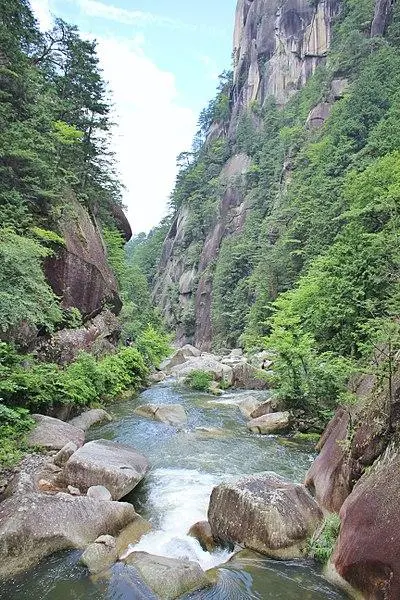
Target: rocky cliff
<point>277,47</point>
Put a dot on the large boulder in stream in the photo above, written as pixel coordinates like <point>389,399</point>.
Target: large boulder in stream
<point>89,418</point>
<point>54,434</point>
<point>265,513</point>
<point>169,578</point>
<point>208,363</point>
<point>117,467</point>
<point>35,524</point>
<point>171,414</point>
<point>270,423</point>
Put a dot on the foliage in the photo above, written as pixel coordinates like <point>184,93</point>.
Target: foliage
<point>153,345</point>
<point>321,546</point>
<point>115,251</point>
<point>14,424</point>
<point>25,297</point>
<point>199,380</point>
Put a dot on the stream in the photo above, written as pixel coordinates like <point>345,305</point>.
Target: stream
<point>186,465</point>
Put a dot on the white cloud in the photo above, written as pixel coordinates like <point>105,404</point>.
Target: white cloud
<point>41,10</point>
<point>211,66</point>
<point>152,128</point>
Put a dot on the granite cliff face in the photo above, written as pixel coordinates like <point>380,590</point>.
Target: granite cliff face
<point>277,46</point>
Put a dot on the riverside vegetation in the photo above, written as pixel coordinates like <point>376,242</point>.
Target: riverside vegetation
<point>54,151</point>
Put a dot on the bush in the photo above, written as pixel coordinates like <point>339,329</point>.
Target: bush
<point>153,345</point>
<point>321,545</point>
<point>14,424</point>
<point>199,380</point>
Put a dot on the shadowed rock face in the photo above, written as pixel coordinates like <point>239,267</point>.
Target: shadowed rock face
<point>367,553</point>
<point>79,273</point>
<point>265,513</point>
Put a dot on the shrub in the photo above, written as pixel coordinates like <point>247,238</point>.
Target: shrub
<point>199,380</point>
<point>14,424</point>
<point>321,545</point>
<point>153,345</point>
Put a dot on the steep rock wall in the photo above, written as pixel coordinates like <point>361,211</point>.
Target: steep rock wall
<point>277,46</point>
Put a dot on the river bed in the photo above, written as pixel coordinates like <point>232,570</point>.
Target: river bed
<point>186,465</point>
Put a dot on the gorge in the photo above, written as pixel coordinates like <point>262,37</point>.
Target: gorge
<point>259,317</point>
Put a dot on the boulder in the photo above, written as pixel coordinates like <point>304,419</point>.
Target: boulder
<point>172,414</point>
<point>35,525</point>
<point>169,578</point>
<point>64,454</point>
<point>207,363</point>
<point>100,555</point>
<point>270,423</point>
<point>54,434</point>
<point>247,377</point>
<point>367,551</point>
<point>99,492</point>
<point>117,467</point>
<point>265,408</point>
<point>180,357</point>
<point>330,477</point>
<point>74,491</point>
<point>201,531</point>
<point>131,534</point>
<point>248,404</point>
<point>89,418</point>
<point>265,513</point>
<point>157,377</point>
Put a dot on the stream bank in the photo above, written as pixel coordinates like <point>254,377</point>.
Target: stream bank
<point>187,463</point>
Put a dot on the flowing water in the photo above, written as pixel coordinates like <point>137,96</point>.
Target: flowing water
<point>186,465</point>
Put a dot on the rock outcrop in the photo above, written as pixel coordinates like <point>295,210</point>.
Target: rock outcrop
<point>79,272</point>
<point>34,524</point>
<point>117,467</point>
<point>171,414</point>
<point>367,551</point>
<point>54,434</point>
<point>169,578</point>
<point>266,513</point>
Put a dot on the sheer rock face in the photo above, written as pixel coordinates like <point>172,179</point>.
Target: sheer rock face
<point>265,513</point>
<point>277,46</point>
<point>367,552</point>
<point>79,272</point>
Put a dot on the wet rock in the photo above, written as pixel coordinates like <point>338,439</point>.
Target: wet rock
<point>214,389</point>
<point>247,377</point>
<point>172,414</point>
<point>265,513</point>
<point>90,418</point>
<point>99,492</point>
<point>367,551</point>
<point>270,423</point>
<point>54,434</point>
<point>248,405</point>
<point>329,478</point>
<point>117,467</point>
<point>34,525</point>
<point>169,578</point>
<point>207,363</point>
<point>157,377</point>
<point>201,531</point>
<point>100,555</point>
<point>64,454</point>
<point>210,433</point>
<point>265,408</point>
<point>132,534</point>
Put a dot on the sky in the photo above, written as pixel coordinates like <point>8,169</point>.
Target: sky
<point>161,59</point>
